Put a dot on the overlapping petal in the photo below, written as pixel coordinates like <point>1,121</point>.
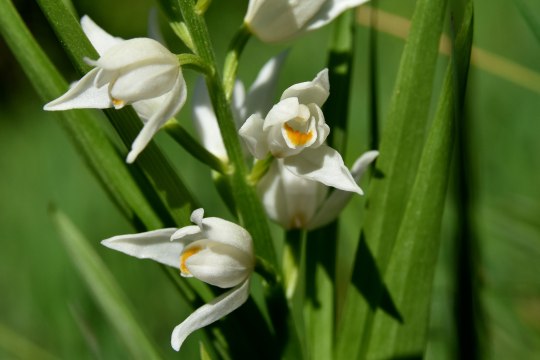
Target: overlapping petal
<point>211,312</point>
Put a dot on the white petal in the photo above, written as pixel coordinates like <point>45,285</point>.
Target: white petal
<point>205,121</point>
<point>237,103</point>
<point>82,95</point>
<point>175,101</point>
<point>100,39</point>
<point>155,245</point>
<point>211,312</point>
<point>146,108</point>
<point>261,93</point>
<point>273,197</point>
<point>289,199</point>
<point>144,82</point>
<point>226,232</point>
<point>335,203</point>
<point>254,137</point>
<point>219,264</point>
<point>283,111</point>
<point>131,52</point>
<point>197,217</point>
<point>187,234</point>
<point>279,20</point>
<point>315,91</point>
<point>329,11</point>
<point>325,165</point>
<point>322,128</point>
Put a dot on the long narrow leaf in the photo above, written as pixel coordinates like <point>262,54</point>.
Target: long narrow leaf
<point>400,148</point>
<point>410,272</point>
<point>104,288</point>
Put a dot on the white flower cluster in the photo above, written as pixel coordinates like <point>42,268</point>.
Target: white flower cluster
<point>143,73</point>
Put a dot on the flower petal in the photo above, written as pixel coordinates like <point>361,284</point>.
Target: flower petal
<point>155,245</point>
<point>226,232</point>
<point>329,11</point>
<point>322,164</point>
<point>289,199</point>
<point>315,91</point>
<point>205,121</point>
<point>187,234</point>
<point>279,20</point>
<point>144,82</point>
<point>219,264</point>
<point>100,39</point>
<point>283,111</point>
<point>211,312</point>
<point>82,95</point>
<point>261,93</point>
<point>133,52</point>
<point>254,137</point>
<point>338,199</point>
<point>175,101</point>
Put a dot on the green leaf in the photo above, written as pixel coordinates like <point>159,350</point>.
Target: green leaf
<point>531,17</point>
<point>104,288</point>
<point>410,272</point>
<point>171,190</point>
<point>21,348</point>
<point>81,125</point>
<point>397,164</point>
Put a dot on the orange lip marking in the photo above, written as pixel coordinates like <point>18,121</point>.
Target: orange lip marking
<point>297,137</point>
<point>186,255</point>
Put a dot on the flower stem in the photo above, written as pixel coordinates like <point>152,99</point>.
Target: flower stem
<point>249,208</point>
<point>267,271</point>
<point>259,169</point>
<point>194,62</point>
<point>292,252</point>
<point>192,146</point>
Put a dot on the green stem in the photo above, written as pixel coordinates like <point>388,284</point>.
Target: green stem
<point>249,207</point>
<point>194,62</point>
<point>192,146</point>
<point>259,169</point>
<point>230,67</point>
<point>291,260</point>
<point>267,271</point>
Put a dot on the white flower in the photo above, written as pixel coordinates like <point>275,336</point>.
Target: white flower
<point>295,130</point>
<point>140,72</point>
<point>214,250</point>
<point>294,202</point>
<point>258,100</point>
<point>281,20</point>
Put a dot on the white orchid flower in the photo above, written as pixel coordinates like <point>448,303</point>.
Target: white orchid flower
<point>213,250</point>
<point>298,203</point>
<point>295,130</point>
<point>139,71</point>
<point>281,20</point>
<point>258,100</point>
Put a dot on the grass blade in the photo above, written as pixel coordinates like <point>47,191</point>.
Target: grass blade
<point>401,144</point>
<point>104,288</point>
<point>410,272</point>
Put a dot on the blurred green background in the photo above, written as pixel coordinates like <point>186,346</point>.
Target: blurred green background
<point>42,297</point>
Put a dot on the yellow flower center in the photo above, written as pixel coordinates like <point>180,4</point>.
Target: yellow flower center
<point>186,254</point>
<point>118,103</point>
<point>297,137</point>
